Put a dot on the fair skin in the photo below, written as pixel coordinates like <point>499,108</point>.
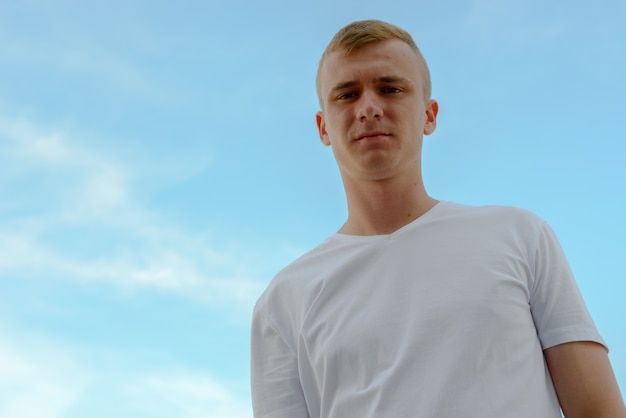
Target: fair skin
<point>584,381</point>
<point>374,117</point>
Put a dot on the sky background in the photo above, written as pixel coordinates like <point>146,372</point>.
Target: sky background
<point>159,163</point>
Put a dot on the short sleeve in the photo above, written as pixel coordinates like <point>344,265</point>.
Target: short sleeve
<point>558,309</point>
<point>276,389</point>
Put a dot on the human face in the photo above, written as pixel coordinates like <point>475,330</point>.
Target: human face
<point>373,111</point>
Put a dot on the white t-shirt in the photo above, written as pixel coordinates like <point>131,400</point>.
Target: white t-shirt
<point>445,317</point>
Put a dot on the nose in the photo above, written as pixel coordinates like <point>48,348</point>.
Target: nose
<point>369,107</point>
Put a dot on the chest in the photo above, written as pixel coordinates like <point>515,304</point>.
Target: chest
<point>382,309</point>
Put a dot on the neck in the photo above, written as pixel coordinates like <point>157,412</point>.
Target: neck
<point>382,207</point>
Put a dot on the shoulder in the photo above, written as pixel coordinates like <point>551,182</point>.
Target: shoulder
<point>496,228</point>
<point>292,286</point>
<point>492,216</point>
<point>487,210</point>
<point>287,300</point>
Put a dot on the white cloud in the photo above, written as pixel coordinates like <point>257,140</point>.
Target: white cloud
<point>94,57</point>
<point>91,202</point>
<point>37,380</point>
<point>73,50</point>
<point>187,395</point>
<point>40,378</point>
<point>51,158</point>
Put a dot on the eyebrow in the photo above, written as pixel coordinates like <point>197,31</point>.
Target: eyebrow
<point>385,79</point>
<point>345,85</point>
<point>393,79</point>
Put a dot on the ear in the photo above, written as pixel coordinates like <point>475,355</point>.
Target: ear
<point>321,128</point>
<point>432,108</point>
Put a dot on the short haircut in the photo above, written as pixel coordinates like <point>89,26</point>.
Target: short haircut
<point>363,32</point>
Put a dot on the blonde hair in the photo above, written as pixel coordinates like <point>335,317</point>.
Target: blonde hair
<point>363,32</point>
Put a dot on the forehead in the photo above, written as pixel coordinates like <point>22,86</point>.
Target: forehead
<point>369,62</point>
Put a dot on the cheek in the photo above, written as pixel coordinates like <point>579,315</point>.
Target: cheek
<point>338,125</point>
<point>418,119</point>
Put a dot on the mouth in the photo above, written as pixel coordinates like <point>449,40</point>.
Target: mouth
<point>372,136</point>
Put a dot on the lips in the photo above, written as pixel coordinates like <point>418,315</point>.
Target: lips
<point>371,135</point>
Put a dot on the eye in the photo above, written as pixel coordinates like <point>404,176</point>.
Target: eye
<point>348,95</point>
<point>390,90</point>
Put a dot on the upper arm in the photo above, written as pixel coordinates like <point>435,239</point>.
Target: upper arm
<point>584,380</point>
<point>275,381</point>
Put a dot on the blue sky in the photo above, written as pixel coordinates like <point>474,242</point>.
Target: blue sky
<point>159,163</point>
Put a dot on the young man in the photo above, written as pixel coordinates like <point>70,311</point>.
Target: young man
<point>419,308</point>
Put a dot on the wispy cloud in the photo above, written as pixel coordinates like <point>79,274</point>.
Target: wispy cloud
<point>187,395</point>
<point>33,386</point>
<point>86,190</point>
<point>40,378</point>
<point>91,56</point>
